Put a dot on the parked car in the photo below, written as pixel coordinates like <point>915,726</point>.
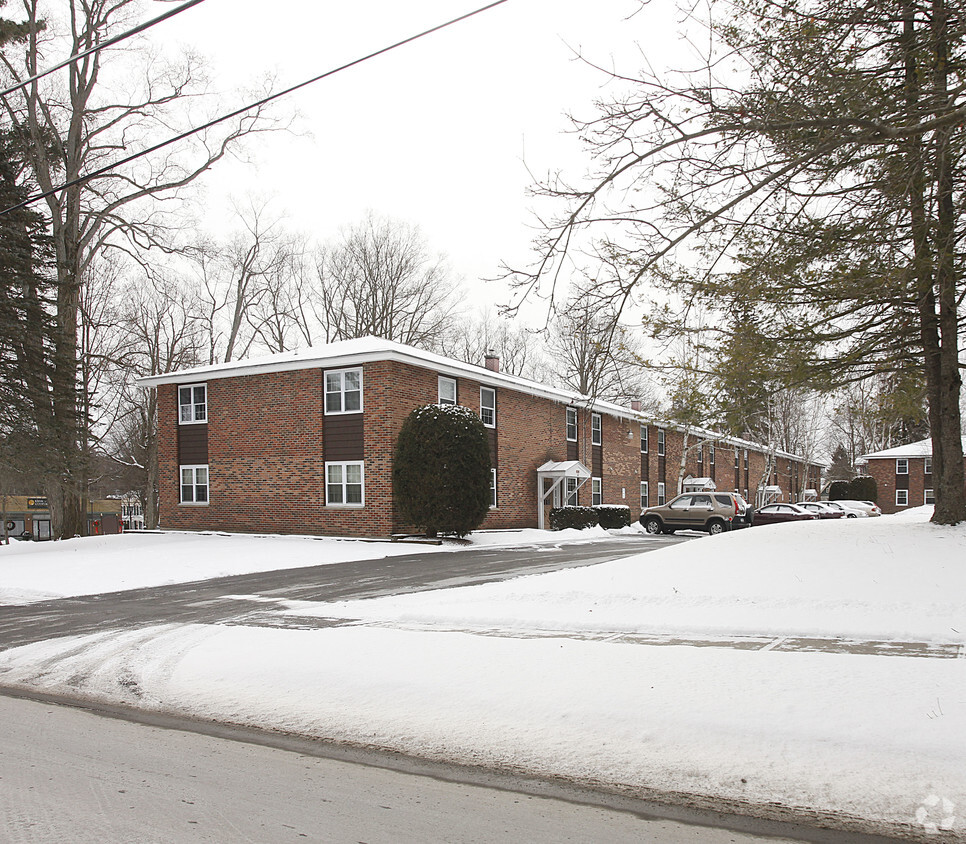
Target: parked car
<point>822,509</point>
<point>849,512</point>
<point>773,514</point>
<point>714,512</point>
<point>865,506</point>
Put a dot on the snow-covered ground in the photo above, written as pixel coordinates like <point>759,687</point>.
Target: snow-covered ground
<point>537,674</point>
<point>36,571</point>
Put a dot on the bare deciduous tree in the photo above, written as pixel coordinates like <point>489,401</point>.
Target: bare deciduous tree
<point>112,100</point>
<point>380,279</point>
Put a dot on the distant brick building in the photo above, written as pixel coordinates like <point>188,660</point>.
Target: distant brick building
<point>302,443</point>
<point>903,475</point>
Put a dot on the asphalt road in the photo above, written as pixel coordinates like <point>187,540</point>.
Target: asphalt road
<point>135,776</point>
<point>69,775</point>
<point>216,601</point>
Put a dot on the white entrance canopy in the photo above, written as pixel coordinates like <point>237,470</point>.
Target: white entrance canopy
<point>557,472</point>
<point>698,484</point>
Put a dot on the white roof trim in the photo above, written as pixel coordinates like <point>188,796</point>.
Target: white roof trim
<point>347,353</point>
<point>564,469</point>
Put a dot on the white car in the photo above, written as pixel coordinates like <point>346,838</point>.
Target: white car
<point>866,507</point>
<point>850,512</point>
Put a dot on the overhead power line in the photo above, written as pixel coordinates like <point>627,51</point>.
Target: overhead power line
<point>257,104</point>
<point>107,43</point>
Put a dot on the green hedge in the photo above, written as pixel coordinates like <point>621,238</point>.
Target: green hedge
<point>863,488</point>
<point>573,517</point>
<point>613,516</point>
<point>838,491</point>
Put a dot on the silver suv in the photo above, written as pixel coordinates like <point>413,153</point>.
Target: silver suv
<point>714,512</point>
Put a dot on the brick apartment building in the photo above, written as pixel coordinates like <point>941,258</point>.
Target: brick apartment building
<point>302,442</point>
<point>903,475</point>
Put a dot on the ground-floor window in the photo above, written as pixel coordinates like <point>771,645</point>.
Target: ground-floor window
<point>571,492</point>
<point>596,499</point>
<point>661,495</point>
<point>928,497</point>
<point>194,484</point>
<point>344,483</point>
<point>643,494</point>
<point>492,489</point>
<point>902,498</point>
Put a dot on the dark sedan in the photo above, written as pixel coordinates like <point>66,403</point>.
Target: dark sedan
<point>773,514</point>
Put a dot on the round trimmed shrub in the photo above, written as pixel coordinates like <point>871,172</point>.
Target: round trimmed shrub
<point>838,491</point>
<point>441,470</point>
<point>863,488</point>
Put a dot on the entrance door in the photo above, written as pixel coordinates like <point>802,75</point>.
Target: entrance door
<point>41,528</point>
<point>551,501</point>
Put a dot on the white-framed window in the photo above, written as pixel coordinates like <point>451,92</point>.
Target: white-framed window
<point>711,455</point>
<point>345,484</point>
<point>492,489</point>
<point>596,499</point>
<point>571,424</point>
<point>447,390</point>
<point>927,466</point>
<point>643,438</point>
<point>700,454</point>
<point>660,442</point>
<point>661,495</point>
<point>644,495</point>
<point>736,461</point>
<point>571,492</point>
<point>902,498</point>
<point>343,391</point>
<point>902,466</point>
<point>595,429</point>
<point>192,404</point>
<point>746,458</point>
<point>488,406</point>
<point>194,484</point>
<point>928,497</point>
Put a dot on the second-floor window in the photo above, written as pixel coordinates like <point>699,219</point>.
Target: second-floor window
<point>746,458</point>
<point>572,424</point>
<point>902,466</point>
<point>343,391</point>
<point>660,442</point>
<point>488,406</point>
<point>595,429</point>
<point>643,438</point>
<point>700,454</point>
<point>193,404</point>
<point>711,454</point>
<point>447,390</point>
<point>927,466</point>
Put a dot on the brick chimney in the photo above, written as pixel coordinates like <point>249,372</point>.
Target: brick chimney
<point>636,404</point>
<point>492,361</point>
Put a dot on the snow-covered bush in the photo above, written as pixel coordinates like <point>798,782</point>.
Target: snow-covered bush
<point>573,517</point>
<point>441,470</point>
<point>613,516</point>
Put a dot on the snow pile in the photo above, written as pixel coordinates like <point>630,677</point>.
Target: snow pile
<point>874,737</point>
<point>899,578</point>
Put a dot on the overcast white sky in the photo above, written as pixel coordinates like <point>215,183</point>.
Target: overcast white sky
<point>439,133</point>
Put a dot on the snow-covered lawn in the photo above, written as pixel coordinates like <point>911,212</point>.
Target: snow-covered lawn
<point>36,571</point>
<point>520,674</point>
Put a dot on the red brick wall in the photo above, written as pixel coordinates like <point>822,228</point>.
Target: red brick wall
<point>884,472</point>
<point>266,465</point>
